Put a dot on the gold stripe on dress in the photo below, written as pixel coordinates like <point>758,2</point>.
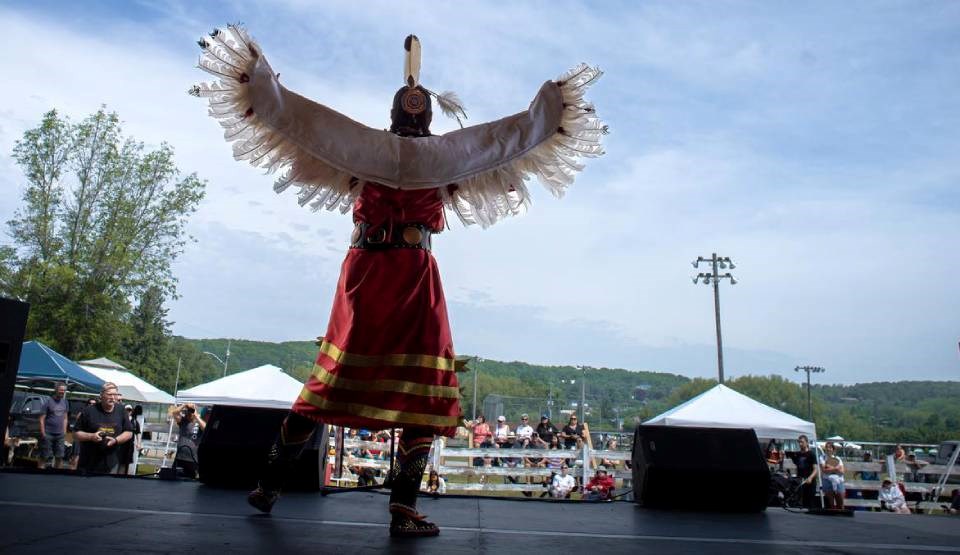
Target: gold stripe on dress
<point>376,413</point>
<point>351,359</point>
<point>397,386</point>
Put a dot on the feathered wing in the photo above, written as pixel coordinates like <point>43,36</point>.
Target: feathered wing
<point>481,171</point>
<point>258,116</point>
<point>569,130</point>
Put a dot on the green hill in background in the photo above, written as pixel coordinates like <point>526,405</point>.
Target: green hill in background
<point>910,412</point>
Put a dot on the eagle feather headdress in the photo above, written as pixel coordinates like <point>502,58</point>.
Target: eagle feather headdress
<point>480,171</point>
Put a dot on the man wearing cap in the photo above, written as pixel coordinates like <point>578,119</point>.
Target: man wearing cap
<point>545,429</point>
<point>600,487</point>
<point>562,484</point>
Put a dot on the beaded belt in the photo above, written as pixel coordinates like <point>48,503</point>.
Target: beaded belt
<point>403,236</point>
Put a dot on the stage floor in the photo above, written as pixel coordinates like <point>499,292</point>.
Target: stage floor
<point>66,514</point>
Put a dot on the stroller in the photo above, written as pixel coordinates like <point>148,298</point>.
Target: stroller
<point>784,491</point>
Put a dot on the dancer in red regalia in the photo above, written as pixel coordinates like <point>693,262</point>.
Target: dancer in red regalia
<point>387,358</point>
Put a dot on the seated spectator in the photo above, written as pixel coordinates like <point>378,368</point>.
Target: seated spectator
<point>487,463</point>
<point>562,484</point>
<point>832,470</point>
<point>600,487</point>
<point>610,463</point>
<point>436,485</point>
<point>366,476</point>
<point>352,439</point>
<point>481,432</point>
<point>868,474</point>
<point>524,433</point>
<point>536,442</point>
<point>557,461</point>
<point>511,462</point>
<point>545,429</point>
<point>501,435</point>
<point>774,456</point>
<point>954,507</point>
<point>571,432</point>
<point>914,465</point>
<point>892,499</point>
<point>899,455</point>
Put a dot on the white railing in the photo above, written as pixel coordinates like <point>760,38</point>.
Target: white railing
<point>458,461</point>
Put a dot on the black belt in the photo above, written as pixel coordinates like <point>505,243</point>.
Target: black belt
<point>403,236</point>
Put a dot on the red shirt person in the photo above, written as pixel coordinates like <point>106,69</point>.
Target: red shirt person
<point>600,487</point>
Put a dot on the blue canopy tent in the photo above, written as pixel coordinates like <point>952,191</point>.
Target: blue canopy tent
<point>41,363</point>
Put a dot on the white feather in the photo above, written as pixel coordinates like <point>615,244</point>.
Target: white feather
<point>451,105</point>
<point>411,61</point>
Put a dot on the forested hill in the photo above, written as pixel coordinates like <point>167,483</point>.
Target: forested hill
<point>919,411</point>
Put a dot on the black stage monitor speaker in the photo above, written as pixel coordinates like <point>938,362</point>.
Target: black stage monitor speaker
<point>13,324</point>
<point>705,469</point>
<point>234,446</point>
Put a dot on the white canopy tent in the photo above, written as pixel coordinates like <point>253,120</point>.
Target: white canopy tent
<point>263,387</point>
<point>722,407</point>
<point>132,388</point>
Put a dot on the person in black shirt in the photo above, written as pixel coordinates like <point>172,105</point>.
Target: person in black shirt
<point>190,426</point>
<point>545,429</point>
<point>101,429</point>
<point>571,432</point>
<point>806,463</point>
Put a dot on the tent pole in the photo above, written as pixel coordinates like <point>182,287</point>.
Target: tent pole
<point>176,386</point>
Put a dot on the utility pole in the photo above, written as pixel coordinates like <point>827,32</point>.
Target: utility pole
<point>717,263</point>
<point>808,370</point>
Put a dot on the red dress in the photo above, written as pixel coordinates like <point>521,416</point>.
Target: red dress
<point>387,358</point>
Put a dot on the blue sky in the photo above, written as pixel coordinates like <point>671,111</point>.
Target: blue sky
<point>815,144</point>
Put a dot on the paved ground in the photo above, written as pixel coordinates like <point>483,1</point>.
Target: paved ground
<point>57,513</point>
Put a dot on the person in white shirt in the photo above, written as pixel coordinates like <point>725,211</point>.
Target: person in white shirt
<point>524,432</point>
<point>501,435</point>
<point>562,484</point>
<point>891,498</point>
<point>831,468</point>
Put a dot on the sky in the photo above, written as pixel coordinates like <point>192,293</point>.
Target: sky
<point>815,144</point>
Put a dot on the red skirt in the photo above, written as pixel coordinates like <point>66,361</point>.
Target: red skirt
<point>387,358</point>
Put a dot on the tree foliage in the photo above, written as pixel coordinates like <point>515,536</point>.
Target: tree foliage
<point>102,220</point>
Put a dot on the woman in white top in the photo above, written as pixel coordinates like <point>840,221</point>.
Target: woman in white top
<point>832,470</point>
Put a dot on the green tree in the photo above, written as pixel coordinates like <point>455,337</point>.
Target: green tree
<point>146,345</point>
<point>102,220</point>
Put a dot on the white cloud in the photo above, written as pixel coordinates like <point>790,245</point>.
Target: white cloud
<point>776,138</point>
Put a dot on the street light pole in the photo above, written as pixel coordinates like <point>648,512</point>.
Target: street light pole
<point>714,277</point>
<point>224,361</point>
<point>476,374</point>
<point>583,391</point>
<point>808,370</point>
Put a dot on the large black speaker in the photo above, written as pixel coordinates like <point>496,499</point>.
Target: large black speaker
<point>13,324</point>
<point>705,469</point>
<point>234,446</point>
